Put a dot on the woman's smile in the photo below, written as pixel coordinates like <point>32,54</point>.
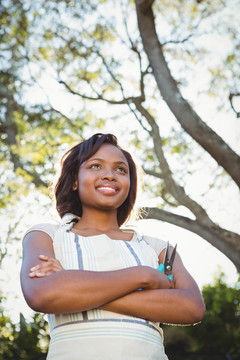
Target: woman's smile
<point>107,189</point>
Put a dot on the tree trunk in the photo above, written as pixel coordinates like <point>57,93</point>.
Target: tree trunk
<point>182,110</point>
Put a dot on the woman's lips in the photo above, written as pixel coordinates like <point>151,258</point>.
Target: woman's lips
<point>107,189</point>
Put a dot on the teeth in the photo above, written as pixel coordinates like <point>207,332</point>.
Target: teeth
<point>106,188</point>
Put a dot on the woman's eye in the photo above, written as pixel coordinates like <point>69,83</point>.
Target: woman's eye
<point>95,166</point>
<point>121,169</point>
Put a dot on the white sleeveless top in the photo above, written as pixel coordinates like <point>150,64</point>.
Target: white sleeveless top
<point>101,334</point>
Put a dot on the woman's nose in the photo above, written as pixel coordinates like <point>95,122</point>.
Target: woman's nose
<point>108,174</point>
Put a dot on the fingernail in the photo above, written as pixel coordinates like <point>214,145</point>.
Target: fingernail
<point>39,274</point>
<point>33,268</point>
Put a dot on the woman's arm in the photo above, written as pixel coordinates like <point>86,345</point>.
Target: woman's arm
<point>181,305</point>
<point>77,290</point>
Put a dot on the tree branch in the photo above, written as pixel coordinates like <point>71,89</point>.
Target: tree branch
<point>231,97</point>
<point>124,101</point>
<point>153,173</point>
<point>176,190</point>
<point>110,72</point>
<point>177,41</point>
<point>135,49</point>
<point>226,241</point>
<point>185,39</point>
<point>11,130</point>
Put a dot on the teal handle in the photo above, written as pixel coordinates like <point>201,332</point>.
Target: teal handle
<point>162,269</point>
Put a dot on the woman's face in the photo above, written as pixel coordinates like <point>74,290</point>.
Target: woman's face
<point>104,179</point>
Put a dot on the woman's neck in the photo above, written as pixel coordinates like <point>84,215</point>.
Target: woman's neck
<point>102,222</point>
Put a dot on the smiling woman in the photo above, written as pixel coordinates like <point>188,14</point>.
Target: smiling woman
<point>103,181</point>
<point>85,156</point>
<point>86,273</point>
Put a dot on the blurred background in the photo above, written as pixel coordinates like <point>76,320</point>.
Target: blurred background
<point>163,76</point>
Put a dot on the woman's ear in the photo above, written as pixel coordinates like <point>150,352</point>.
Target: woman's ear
<point>75,186</point>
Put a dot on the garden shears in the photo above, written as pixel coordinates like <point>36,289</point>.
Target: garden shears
<point>167,265</point>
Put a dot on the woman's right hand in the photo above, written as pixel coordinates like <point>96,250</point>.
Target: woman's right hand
<point>154,279</point>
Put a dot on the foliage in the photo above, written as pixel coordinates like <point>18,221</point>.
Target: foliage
<point>25,340</point>
<point>33,133</point>
<point>219,331</point>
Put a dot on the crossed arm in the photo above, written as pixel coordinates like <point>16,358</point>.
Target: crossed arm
<point>49,288</point>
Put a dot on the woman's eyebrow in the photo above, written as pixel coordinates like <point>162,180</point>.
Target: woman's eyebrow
<point>114,162</point>
<point>120,162</point>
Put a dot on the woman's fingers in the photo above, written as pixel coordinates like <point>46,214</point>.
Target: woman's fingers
<point>45,258</point>
<point>41,273</point>
<point>47,267</point>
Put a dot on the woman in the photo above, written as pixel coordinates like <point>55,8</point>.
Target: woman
<point>97,282</point>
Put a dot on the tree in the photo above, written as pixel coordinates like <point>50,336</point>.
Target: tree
<point>26,340</point>
<point>91,55</point>
<point>219,330</point>
<point>31,133</point>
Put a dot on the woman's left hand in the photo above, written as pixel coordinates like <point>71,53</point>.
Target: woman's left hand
<point>48,266</point>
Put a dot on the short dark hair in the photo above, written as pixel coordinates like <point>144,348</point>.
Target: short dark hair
<point>67,199</point>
